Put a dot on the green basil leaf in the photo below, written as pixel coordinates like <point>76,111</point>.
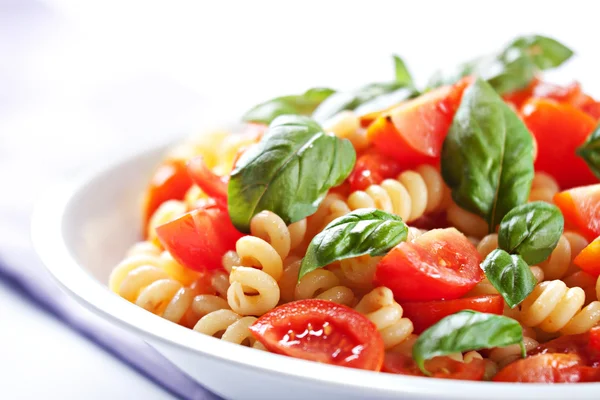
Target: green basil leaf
<point>510,275</point>
<point>385,101</point>
<point>403,76</point>
<point>466,330</point>
<point>288,172</point>
<point>302,104</point>
<point>487,156</point>
<point>364,231</point>
<point>590,151</point>
<point>512,68</point>
<point>531,230</point>
<point>341,101</point>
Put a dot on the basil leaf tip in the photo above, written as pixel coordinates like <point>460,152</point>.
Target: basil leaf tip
<point>590,151</point>
<point>302,104</point>
<point>464,331</point>
<point>364,231</point>
<point>403,76</point>
<point>531,230</point>
<point>487,156</point>
<point>288,172</point>
<point>510,275</point>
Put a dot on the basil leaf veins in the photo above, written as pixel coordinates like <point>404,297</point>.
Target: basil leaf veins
<point>288,172</point>
<point>364,231</point>
<point>531,230</point>
<point>487,156</point>
<point>590,151</point>
<point>510,275</point>
<point>302,104</point>
<point>466,330</point>
<point>512,68</point>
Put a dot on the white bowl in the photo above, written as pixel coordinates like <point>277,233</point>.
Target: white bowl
<point>82,229</point>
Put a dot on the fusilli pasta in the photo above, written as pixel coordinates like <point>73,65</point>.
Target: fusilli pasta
<point>346,125</point>
<point>229,326</point>
<point>543,187</point>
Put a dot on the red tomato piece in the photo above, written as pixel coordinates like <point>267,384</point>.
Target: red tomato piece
<point>581,208</point>
<point>213,185</point>
<point>595,338</point>
<point>548,368</point>
<point>427,313</point>
<point>440,264</point>
<point>170,181</point>
<point>439,367</point>
<point>581,345</point>
<point>548,120</point>
<point>414,131</point>
<point>199,239</point>
<point>371,168</point>
<point>518,97</point>
<point>323,331</point>
<point>589,258</point>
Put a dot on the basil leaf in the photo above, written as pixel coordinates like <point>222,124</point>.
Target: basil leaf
<point>303,104</point>
<point>531,230</point>
<point>510,275</point>
<point>512,68</point>
<point>466,330</point>
<point>351,100</point>
<point>403,76</point>
<point>385,101</point>
<point>364,231</point>
<point>288,172</point>
<point>590,151</point>
<point>487,156</point>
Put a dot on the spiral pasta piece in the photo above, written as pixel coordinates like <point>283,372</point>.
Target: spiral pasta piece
<point>465,221</point>
<point>346,125</point>
<point>325,285</point>
<point>252,291</point>
<point>503,356</point>
<point>410,196</point>
<point>560,262</point>
<point>228,326</point>
<point>553,307</point>
<point>543,188</point>
<point>380,308</point>
<point>333,206</point>
<point>359,272</point>
<point>166,212</point>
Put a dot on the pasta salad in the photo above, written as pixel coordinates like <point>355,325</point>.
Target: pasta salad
<point>450,231</point>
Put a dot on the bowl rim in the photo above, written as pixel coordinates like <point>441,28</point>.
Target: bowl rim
<point>52,248</point>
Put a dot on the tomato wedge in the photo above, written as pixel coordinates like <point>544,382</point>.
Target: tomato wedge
<point>170,181</point>
<point>595,338</point>
<point>323,331</point>
<point>548,120</point>
<point>372,168</point>
<point>427,313</point>
<point>414,131</point>
<point>440,264</point>
<point>199,239</point>
<point>548,368</point>
<point>581,345</point>
<point>581,208</point>
<point>213,185</point>
<point>440,367</point>
<point>589,258</point>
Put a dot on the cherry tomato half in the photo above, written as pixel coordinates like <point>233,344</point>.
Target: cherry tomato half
<point>439,367</point>
<point>170,181</point>
<point>372,168</point>
<point>323,331</point>
<point>548,368</point>
<point>413,132</point>
<point>199,239</point>
<point>440,264</point>
<point>581,345</point>
<point>424,314</point>
<point>581,208</point>
<point>213,185</point>
<point>548,120</point>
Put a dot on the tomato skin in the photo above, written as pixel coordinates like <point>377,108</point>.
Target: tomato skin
<point>439,367</point>
<point>210,183</point>
<point>440,264</point>
<point>199,239</point>
<point>372,168</point>
<point>299,329</point>
<point>581,207</point>
<point>595,338</point>
<point>414,131</point>
<point>548,368</point>
<point>589,258</point>
<point>170,181</point>
<point>427,313</point>
<point>548,120</point>
<point>581,345</point>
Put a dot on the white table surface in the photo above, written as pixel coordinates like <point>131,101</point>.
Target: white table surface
<point>83,81</point>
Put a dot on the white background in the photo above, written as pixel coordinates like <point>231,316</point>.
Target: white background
<point>82,81</point>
